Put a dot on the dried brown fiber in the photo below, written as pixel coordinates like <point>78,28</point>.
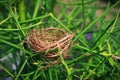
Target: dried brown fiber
<point>46,39</point>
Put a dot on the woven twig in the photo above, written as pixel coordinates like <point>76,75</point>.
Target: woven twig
<point>43,40</point>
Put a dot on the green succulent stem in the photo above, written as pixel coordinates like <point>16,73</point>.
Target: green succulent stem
<point>22,12</point>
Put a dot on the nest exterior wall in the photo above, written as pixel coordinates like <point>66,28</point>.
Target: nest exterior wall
<point>44,40</point>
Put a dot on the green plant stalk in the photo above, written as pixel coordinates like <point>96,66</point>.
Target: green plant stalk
<point>36,72</point>
<point>97,19</point>
<point>14,45</point>
<point>37,18</point>
<point>78,58</point>
<point>81,47</point>
<point>62,14</point>
<point>82,76</point>
<point>114,21</point>
<point>84,43</point>
<point>109,47</point>
<point>60,23</point>
<point>83,14</point>
<point>27,78</point>
<point>56,74</point>
<point>22,14</point>
<point>114,38</point>
<point>21,70</point>
<point>19,26</point>
<point>31,26</point>
<point>7,52</point>
<point>38,75</point>
<point>103,35</point>
<point>38,2</point>
<point>22,10</point>
<point>66,66</point>
<point>45,78</point>
<point>76,3</point>
<point>4,20</point>
<point>8,72</point>
<point>63,10</point>
<point>50,75</point>
<point>92,71</point>
<point>28,74</point>
<point>74,11</point>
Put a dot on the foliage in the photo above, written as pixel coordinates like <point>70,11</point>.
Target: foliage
<point>95,52</point>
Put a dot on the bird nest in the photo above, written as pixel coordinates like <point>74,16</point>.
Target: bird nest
<point>49,40</point>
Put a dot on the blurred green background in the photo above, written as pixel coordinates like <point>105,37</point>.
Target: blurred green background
<point>95,50</point>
